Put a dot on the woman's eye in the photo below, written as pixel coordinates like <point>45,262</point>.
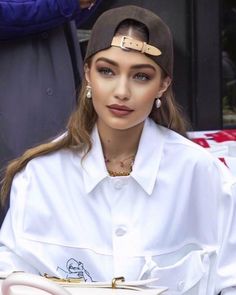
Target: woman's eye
<point>105,71</point>
<point>142,77</point>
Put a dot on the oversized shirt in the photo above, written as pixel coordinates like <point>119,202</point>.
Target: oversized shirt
<point>173,217</point>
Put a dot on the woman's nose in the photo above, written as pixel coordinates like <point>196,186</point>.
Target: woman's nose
<point>122,89</point>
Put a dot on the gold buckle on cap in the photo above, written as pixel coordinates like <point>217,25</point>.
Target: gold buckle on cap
<point>128,43</point>
<point>122,42</point>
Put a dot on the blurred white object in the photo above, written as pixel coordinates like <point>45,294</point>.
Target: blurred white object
<point>225,150</point>
<point>231,164</point>
<point>232,148</point>
<point>21,283</point>
<point>18,284</point>
<point>219,150</point>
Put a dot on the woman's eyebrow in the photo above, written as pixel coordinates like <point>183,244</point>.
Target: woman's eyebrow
<point>139,66</point>
<point>110,61</point>
<point>136,66</point>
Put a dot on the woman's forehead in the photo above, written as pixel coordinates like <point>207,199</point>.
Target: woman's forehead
<point>121,57</point>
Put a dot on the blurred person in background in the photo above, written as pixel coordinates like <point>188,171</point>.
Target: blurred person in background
<point>40,70</point>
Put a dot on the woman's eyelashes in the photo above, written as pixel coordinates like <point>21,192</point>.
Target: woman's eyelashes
<point>108,72</point>
<point>142,77</point>
<point>105,71</point>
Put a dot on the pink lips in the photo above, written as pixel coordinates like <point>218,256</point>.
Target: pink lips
<point>119,110</point>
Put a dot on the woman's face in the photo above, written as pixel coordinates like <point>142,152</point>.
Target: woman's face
<point>124,87</point>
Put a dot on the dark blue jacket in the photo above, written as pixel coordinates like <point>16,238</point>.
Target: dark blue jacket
<point>23,17</point>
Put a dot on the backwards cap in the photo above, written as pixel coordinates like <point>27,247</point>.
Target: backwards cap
<point>160,37</point>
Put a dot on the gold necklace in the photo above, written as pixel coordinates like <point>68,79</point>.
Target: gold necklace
<point>122,165</point>
<point>116,173</point>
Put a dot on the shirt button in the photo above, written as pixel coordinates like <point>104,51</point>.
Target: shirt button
<point>49,91</point>
<point>120,231</point>
<point>181,285</point>
<point>118,184</point>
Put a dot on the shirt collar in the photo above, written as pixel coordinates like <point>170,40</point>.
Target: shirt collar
<point>147,160</point>
<point>148,157</point>
<point>94,168</point>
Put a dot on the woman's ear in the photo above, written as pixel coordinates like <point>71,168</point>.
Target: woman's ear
<point>87,73</point>
<point>164,85</point>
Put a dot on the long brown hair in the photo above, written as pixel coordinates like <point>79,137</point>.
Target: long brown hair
<point>84,118</point>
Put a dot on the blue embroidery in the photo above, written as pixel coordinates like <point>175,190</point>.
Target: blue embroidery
<point>75,269</point>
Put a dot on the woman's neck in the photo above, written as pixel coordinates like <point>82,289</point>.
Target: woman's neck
<point>119,144</point>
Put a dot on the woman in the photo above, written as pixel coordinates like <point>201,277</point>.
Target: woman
<point>123,193</point>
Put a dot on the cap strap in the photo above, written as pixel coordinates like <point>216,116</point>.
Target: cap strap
<point>127,43</point>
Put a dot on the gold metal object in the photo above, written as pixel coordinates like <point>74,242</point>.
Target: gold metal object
<point>59,280</point>
<point>116,173</point>
<point>115,280</point>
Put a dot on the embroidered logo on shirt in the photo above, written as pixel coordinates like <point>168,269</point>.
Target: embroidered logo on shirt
<point>75,269</point>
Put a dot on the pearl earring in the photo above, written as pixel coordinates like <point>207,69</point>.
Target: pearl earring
<point>88,91</point>
<point>158,103</point>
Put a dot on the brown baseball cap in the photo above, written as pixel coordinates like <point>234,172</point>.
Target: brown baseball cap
<point>160,37</point>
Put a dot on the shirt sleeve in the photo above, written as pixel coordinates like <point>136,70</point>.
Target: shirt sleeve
<point>11,262</point>
<point>226,264</point>
<point>21,18</point>
<point>11,256</point>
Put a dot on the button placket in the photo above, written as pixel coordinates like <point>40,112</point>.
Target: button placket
<point>120,239</point>
<point>120,227</point>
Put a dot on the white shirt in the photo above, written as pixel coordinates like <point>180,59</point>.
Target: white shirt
<point>172,218</point>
